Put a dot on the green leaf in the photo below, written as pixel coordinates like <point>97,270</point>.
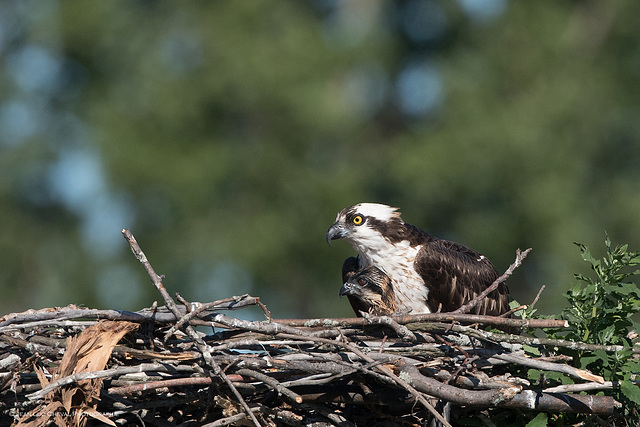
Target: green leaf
<point>558,376</point>
<point>606,334</point>
<point>631,367</point>
<point>530,350</point>
<point>586,360</point>
<point>576,289</point>
<point>534,374</point>
<point>631,391</point>
<point>626,288</point>
<point>539,421</point>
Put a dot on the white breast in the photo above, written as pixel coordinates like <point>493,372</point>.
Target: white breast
<point>397,260</point>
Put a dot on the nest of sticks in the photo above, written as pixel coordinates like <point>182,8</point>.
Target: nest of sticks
<point>192,364</point>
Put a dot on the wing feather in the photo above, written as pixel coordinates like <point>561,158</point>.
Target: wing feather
<point>455,274</point>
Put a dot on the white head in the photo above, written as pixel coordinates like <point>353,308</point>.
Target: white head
<point>373,210</point>
<point>363,225</point>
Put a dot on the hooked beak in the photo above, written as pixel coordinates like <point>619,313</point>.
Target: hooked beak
<point>336,231</point>
<point>347,289</point>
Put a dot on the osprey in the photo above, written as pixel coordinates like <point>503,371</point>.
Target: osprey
<point>426,273</point>
<point>369,290</point>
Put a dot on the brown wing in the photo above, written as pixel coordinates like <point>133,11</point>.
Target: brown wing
<point>455,274</point>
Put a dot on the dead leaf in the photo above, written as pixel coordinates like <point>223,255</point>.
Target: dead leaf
<point>88,352</point>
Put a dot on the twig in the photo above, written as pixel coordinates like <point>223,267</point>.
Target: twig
<point>265,310</point>
<point>203,307</point>
<point>550,366</point>
<point>269,328</point>
<point>153,385</point>
<point>560,402</point>
<point>49,323</point>
<point>401,331</point>
<point>513,310</point>
<point>577,388</point>
<point>427,317</point>
<point>184,302</point>
<point>495,337</point>
<point>70,312</point>
<point>56,346</point>
<point>202,346</point>
<point>272,383</point>
<point>155,278</point>
<point>18,321</point>
<point>262,345</point>
<point>107,373</point>
<point>535,300</point>
<point>465,308</point>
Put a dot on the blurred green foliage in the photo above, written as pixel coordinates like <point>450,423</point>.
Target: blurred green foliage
<point>227,135</point>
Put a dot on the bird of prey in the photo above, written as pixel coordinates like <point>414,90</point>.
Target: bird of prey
<point>426,273</point>
<point>369,290</point>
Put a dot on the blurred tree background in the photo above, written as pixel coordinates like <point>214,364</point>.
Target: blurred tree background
<point>227,135</point>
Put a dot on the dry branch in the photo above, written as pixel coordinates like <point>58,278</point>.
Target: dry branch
<point>157,282</point>
<point>427,317</point>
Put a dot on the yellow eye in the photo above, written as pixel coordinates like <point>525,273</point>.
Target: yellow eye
<point>357,220</point>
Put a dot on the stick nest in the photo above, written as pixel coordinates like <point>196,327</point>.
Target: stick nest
<point>191,364</point>
<point>67,366</point>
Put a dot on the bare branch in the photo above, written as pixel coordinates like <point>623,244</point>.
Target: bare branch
<point>577,388</point>
<point>272,383</point>
<point>230,303</point>
<point>107,373</point>
<point>535,300</point>
<point>428,317</point>
<point>202,346</point>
